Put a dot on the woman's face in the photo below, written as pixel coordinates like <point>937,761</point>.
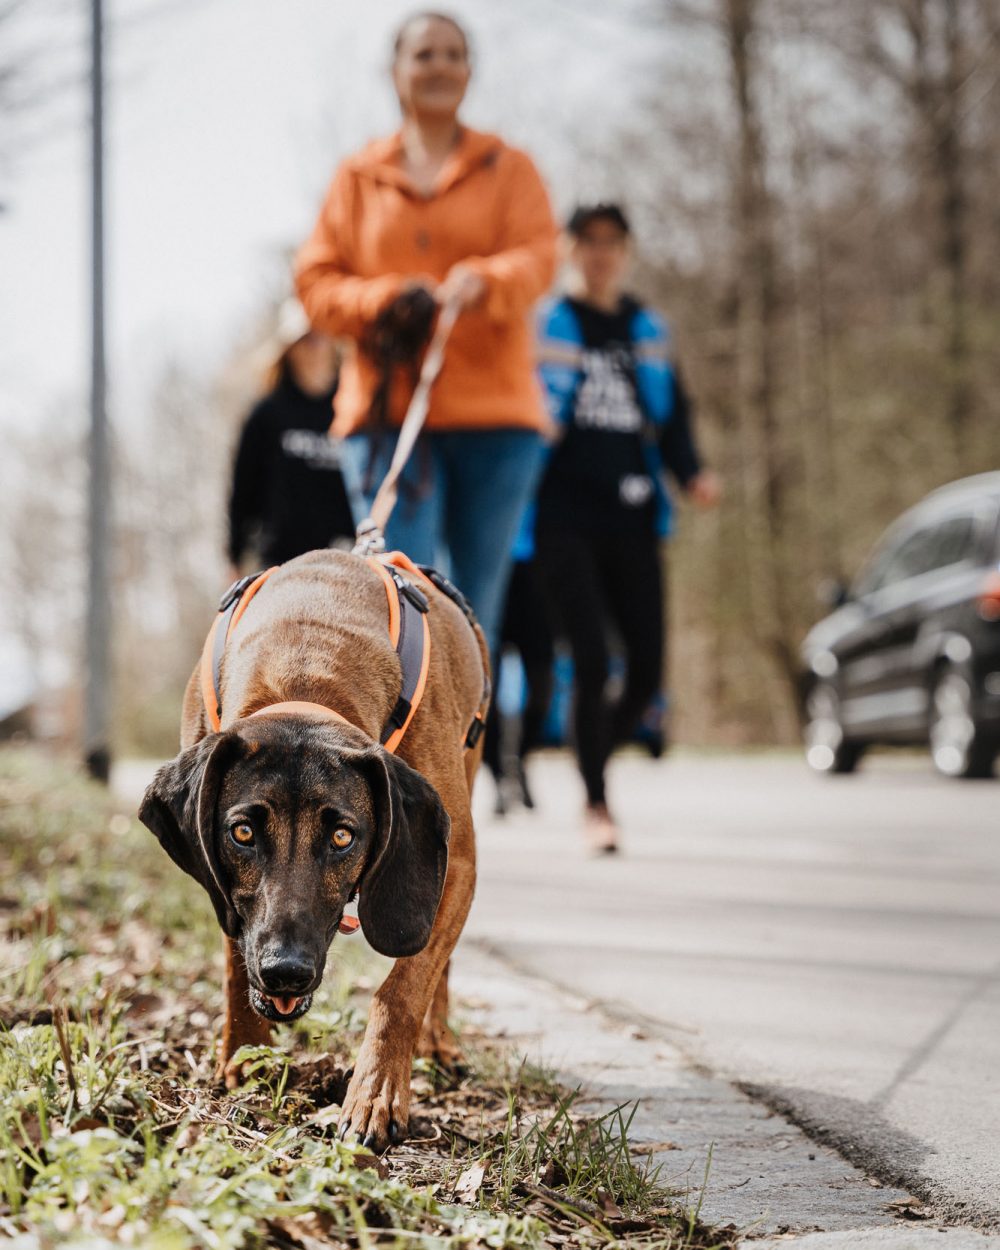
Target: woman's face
<point>431,70</point>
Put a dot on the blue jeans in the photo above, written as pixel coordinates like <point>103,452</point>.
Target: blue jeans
<point>461,499</point>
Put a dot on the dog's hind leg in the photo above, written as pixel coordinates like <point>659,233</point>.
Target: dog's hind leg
<point>242,1025</point>
<point>437,1039</point>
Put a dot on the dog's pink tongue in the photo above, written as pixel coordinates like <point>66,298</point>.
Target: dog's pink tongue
<point>286,1004</point>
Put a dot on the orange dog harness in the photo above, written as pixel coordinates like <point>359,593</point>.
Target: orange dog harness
<point>409,633</point>
<point>408,630</point>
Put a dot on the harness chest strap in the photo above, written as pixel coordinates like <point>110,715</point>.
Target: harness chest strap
<point>232,605</point>
<point>389,563</point>
<point>410,634</point>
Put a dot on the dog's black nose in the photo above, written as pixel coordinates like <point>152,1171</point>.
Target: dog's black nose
<point>286,973</point>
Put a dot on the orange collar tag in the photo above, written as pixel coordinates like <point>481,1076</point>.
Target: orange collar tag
<point>349,922</point>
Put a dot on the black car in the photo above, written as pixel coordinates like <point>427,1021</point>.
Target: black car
<point>912,652</point>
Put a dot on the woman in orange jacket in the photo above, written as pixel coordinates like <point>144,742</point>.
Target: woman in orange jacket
<point>438,212</point>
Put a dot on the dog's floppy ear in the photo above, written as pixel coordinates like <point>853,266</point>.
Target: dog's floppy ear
<point>402,886</point>
<point>179,807</point>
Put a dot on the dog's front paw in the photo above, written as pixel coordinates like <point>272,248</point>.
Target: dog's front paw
<point>230,1073</point>
<point>377,1106</point>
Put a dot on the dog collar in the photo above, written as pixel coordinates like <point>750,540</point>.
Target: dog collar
<point>296,707</point>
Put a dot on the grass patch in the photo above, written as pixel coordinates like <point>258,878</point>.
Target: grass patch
<point>112,1131</point>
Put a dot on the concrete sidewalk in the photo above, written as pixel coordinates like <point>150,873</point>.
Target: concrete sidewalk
<point>741,1166</point>
<point>828,944</point>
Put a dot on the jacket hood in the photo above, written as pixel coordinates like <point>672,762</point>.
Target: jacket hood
<point>380,160</point>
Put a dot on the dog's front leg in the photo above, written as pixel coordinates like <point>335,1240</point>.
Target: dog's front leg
<point>242,1025</point>
<point>377,1106</point>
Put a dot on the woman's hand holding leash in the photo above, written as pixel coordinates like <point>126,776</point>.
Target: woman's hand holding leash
<point>462,286</point>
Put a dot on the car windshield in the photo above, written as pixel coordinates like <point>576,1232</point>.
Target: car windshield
<point>909,553</point>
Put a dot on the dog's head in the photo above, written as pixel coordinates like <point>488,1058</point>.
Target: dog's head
<point>282,819</point>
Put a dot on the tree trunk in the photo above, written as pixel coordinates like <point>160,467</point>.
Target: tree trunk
<point>757,306</point>
<point>934,87</point>
<point>949,151</point>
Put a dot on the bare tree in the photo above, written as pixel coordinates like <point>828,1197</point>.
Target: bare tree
<point>818,220</point>
<point>942,57</point>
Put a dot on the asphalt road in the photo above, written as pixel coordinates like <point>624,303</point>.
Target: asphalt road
<point>831,943</point>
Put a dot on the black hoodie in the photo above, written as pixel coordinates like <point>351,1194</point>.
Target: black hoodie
<point>288,494</point>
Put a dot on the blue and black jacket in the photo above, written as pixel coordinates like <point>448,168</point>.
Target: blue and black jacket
<point>639,342</point>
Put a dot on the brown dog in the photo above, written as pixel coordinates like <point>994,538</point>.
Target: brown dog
<point>283,817</point>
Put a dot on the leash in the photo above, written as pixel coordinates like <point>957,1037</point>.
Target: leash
<point>370,536</point>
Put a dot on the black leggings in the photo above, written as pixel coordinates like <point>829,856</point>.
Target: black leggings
<point>593,583</point>
<point>525,628</point>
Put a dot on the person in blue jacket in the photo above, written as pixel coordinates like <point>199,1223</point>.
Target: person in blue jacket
<point>603,507</point>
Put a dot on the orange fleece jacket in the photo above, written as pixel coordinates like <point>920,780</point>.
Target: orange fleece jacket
<point>376,233</point>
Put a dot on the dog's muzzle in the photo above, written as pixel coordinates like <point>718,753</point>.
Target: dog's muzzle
<point>279,1007</point>
<point>284,983</point>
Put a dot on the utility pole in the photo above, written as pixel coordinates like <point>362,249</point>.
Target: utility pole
<point>96,746</point>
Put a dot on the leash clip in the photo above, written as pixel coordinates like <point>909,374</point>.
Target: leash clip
<point>369,539</point>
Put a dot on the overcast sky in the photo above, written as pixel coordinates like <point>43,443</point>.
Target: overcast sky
<point>226,118</point>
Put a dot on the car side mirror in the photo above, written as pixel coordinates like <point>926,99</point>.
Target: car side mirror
<point>832,593</point>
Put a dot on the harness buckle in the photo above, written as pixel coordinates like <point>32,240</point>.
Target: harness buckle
<point>476,731</point>
<point>397,718</point>
<point>415,595</point>
<point>230,596</point>
<point>449,588</point>
<point>412,592</point>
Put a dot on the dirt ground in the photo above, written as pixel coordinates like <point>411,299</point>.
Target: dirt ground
<point>113,1130</point>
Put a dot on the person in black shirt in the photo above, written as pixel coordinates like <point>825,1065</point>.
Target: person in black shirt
<point>288,495</point>
<point>602,507</point>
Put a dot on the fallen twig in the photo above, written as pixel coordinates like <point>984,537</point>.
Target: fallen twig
<point>591,1213</point>
<point>59,1024</point>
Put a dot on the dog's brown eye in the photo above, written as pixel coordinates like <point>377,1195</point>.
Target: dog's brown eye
<point>342,839</point>
<point>242,833</point>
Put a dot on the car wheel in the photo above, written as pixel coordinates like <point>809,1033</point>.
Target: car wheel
<point>827,749</point>
<point>959,748</point>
